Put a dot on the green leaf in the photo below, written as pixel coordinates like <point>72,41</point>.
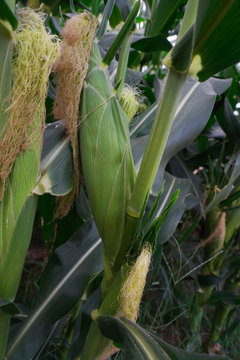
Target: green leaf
<point>115,17</point>
<point>56,167</point>
<point>229,297</point>
<point>216,37</point>
<point>227,189</point>
<point>152,43</point>
<point>6,13</point>
<point>161,14</point>
<point>106,15</point>
<point>171,184</point>
<point>121,36</point>
<point>9,307</point>
<point>64,282</point>
<point>193,111</point>
<point>141,344</point>
<point>125,7</point>
<point>229,122</point>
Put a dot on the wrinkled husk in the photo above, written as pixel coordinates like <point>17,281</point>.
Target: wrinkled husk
<point>106,155</point>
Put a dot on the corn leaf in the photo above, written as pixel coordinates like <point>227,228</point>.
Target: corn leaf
<point>6,12</point>
<point>227,189</point>
<point>9,307</point>
<point>121,36</point>
<point>192,114</point>
<point>161,14</point>
<point>217,32</point>
<point>106,15</point>
<point>141,344</point>
<point>152,43</point>
<point>64,282</point>
<point>229,122</point>
<point>56,167</point>
<point>224,296</point>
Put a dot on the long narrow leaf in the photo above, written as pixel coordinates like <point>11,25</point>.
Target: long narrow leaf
<point>56,167</point>
<point>65,280</point>
<point>121,35</point>
<point>141,344</point>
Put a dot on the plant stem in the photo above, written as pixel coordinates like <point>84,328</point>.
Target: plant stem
<point>96,344</point>
<point>152,158</point>
<point>70,331</point>
<point>122,63</point>
<point>156,142</point>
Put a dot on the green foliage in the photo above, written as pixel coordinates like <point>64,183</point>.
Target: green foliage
<point>170,178</point>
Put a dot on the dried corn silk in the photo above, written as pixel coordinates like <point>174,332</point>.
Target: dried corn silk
<point>71,69</point>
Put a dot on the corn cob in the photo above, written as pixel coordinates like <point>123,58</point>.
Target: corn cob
<point>105,154</point>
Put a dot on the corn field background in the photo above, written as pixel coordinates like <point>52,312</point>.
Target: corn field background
<point>119,179</point>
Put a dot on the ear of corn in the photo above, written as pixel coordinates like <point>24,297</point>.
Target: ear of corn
<point>106,155</point>
<point>20,149</point>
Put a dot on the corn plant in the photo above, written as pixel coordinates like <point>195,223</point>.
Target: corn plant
<point>127,203</point>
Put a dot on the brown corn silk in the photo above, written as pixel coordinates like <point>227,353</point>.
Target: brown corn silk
<point>71,69</point>
<point>35,52</point>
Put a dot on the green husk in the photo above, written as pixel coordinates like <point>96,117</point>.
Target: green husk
<point>106,155</point>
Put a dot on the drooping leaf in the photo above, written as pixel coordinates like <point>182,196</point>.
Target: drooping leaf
<point>64,282</point>
<point>141,344</point>
<point>215,20</point>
